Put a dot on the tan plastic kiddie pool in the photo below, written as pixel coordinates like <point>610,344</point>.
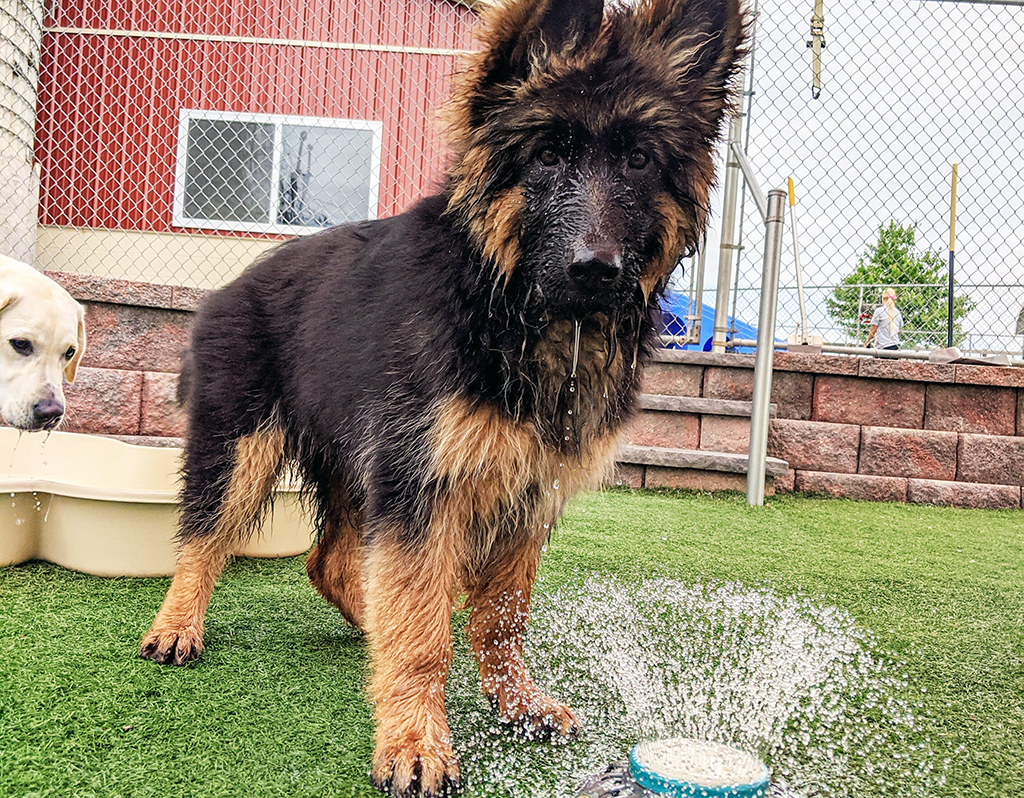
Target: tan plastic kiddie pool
<point>109,508</point>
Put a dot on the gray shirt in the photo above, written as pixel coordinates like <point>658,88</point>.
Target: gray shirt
<point>884,336</point>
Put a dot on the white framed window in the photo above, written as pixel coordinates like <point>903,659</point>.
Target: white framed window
<point>267,173</point>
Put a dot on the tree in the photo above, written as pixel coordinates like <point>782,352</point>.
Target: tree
<point>921,283</point>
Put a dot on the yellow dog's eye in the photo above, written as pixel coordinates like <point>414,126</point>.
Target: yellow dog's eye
<point>21,346</point>
<point>70,353</point>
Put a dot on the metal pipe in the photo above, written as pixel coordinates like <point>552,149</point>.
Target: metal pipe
<point>751,178</point>
<point>985,2</point>
<point>727,244</point>
<point>757,457</point>
<point>750,182</point>
<point>730,242</point>
<point>997,357</point>
<point>748,100</point>
<point>698,293</point>
<point>838,349</point>
<point>952,249</point>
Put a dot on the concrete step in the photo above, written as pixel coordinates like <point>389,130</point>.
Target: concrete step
<point>699,405</point>
<point>696,459</point>
<point>690,422</point>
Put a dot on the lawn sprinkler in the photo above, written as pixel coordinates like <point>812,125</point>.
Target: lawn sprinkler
<point>680,768</point>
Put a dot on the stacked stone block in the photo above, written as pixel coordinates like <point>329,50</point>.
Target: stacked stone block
<point>127,380</point>
<point>864,428</point>
<point>883,430</point>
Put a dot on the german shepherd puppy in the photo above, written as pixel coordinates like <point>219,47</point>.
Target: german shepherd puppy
<point>446,379</point>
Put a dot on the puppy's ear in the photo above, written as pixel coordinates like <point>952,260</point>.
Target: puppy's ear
<point>71,369</point>
<point>522,37</point>
<point>704,41</point>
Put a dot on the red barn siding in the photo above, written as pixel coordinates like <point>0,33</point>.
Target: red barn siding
<point>108,109</point>
<point>406,23</point>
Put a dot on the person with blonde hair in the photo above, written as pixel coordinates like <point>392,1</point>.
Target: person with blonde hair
<point>886,323</point>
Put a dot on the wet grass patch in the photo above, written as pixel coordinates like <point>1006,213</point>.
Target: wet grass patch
<point>655,593</point>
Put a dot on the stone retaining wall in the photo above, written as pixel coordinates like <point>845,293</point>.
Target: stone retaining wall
<point>127,379</point>
<point>859,427</point>
<point>869,428</point>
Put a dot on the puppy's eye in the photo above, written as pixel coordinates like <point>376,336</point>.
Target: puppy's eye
<point>548,157</point>
<point>638,159</point>
<point>21,346</point>
<point>70,353</point>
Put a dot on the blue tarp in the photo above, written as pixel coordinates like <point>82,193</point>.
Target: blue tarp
<point>675,308</point>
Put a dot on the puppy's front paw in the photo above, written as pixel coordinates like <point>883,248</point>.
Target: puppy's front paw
<point>542,718</point>
<point>415,768</point>
<point>172,646</point>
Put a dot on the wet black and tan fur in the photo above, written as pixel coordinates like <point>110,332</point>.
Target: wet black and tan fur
<point>444,380</point>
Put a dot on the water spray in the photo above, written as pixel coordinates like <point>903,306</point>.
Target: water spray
<point>783,677</point>
<point>681,767</point>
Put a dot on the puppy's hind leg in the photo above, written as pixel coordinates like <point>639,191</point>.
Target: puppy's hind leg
<point>335,563</point>
<point>225,493</point>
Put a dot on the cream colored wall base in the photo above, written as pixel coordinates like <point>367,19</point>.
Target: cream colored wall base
<point>109,508</point>
<point>186,259</point>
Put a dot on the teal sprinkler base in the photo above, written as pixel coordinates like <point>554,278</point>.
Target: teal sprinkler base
<point>681,768</point>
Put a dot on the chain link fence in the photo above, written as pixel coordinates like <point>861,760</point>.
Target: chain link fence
<point>172,142</point>
<point>908,88</point>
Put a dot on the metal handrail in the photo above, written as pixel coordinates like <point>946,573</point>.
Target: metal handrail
<point>751,180</point>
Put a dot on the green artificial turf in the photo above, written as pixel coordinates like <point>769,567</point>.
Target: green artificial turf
<point>276,705</point>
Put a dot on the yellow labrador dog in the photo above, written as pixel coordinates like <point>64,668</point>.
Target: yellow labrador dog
<point>42,338</point>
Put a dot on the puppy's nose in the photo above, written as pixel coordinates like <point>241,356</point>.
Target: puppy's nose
<point>47,413</point>
<point>595,266</point>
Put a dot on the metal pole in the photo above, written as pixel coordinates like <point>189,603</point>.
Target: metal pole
<point>860,308</point>
<point>728,240</point>
<point>751,178</point>
<point>952,247</point>
<point>796,262</point>
<point>698,309</point>
<point>775,222</point>
<point>836,349</point>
